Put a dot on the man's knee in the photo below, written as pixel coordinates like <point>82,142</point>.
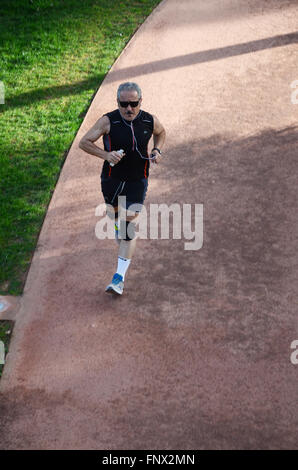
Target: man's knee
<point>112,212</point>
<point>127,230</point>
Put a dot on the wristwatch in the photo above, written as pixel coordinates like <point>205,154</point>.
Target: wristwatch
<point>155,148</point>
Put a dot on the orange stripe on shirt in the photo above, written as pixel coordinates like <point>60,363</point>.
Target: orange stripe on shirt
<point>109,137</point>
<point>145,169</point>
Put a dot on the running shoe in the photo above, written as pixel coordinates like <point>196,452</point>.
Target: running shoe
<point>116,286</point>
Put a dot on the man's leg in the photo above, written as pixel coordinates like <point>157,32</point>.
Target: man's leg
<point>110,188</point>
<point>134,195</point>
<point>127,246</point>
<point>112,213</point>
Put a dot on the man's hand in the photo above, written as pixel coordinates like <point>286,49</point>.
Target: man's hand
<point>114,157</point>
<point>157,157</point>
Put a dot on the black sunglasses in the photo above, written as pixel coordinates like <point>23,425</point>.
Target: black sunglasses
<point>125,104</point>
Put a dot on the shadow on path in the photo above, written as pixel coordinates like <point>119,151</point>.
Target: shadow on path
<point>153,67</point>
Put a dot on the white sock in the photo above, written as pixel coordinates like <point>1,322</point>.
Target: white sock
<point>122,267</point>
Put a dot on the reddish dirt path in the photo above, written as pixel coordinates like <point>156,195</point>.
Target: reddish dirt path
<point>196,354</point>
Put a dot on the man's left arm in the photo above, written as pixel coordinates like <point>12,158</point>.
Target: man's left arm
<point>159,135</point>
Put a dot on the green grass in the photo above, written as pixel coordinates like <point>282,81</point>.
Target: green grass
<point>54,55</point>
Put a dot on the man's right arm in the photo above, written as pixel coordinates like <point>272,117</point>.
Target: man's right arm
<point>101,127</point>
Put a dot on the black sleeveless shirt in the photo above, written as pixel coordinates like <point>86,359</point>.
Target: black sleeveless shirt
<point>133,137</point>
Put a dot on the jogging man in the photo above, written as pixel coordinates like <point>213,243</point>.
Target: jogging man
<point>125,173</point>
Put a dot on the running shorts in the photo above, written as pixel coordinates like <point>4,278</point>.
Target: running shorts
<point>134,191</point>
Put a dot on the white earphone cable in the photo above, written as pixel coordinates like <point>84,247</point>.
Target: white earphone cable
<point>135,140</point>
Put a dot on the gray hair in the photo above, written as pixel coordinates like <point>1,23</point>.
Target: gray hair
<point>129,86</point>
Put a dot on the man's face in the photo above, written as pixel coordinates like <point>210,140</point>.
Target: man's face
<point>129,113</point>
